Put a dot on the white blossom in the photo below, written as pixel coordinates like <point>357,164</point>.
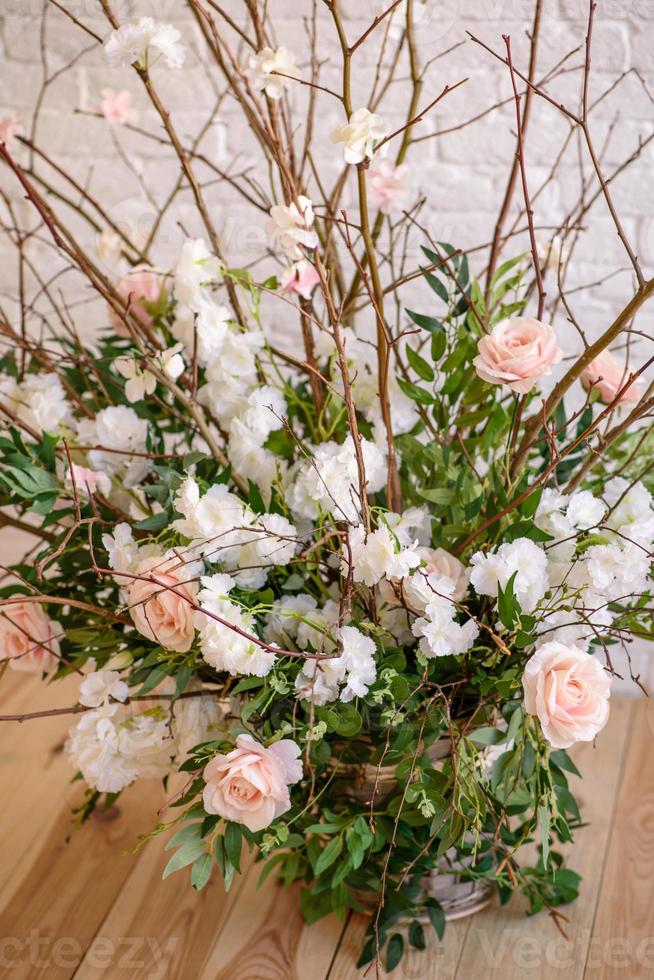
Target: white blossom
<point>584,510</point>
<point>139,382</point>
<point>39,400</point>
<point>263,64</point>
<point>441,635</point>
<point>330,480</point>
<point>346,676</point>
<point>375,556</point>
<point>521,557</point>
<point>196,269</point>
<point>284,619</point>
<point>227,644</point>
<point>117,428</point>
<point>97,687</point>
<point>632,514</point>
<point>144,41</point>
<point>359,136</point>
<point>291,226</point>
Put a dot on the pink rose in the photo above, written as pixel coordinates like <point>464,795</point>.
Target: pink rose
<point>116,107</point>
<point>609,377</point>
<point>28,638</point>
<point>138,289</point>
<point>569,691</point>
<point>517,353</point>
<point>300,278</point>
<point>163,615</point>
<point>250,784</point>
<point>386,183</point>
<point>416,591</point>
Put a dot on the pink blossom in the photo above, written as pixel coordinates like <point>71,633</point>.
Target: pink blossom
<point>139,288</point>
<point>249,785</point>
<point>89,481</point>
<point>608,377</point>
<point>28,638</point>
<point>300,278</point>
<point>116,107</point>
<point>10,128</point>
<point>568,689</point>
<point>516,353</point>
<point>386,183</point>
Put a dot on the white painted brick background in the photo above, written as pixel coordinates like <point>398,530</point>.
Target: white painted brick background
<point>463,174</point>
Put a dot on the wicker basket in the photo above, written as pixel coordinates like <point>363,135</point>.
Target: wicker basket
<point>457,894</point>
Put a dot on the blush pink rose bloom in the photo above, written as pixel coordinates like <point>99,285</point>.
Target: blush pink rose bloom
<point>141,285</point>
<point>249,785</point>
<point>116,107</point>
<point>608,376</point>
<point>517,353</point>
<point>568,690</point>
<point>300,278</point>
<point>163,615</point>
<point>386,184</point>
<point>28,637</point>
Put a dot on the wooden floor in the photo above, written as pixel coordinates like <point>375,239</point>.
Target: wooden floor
<point>91,909</point>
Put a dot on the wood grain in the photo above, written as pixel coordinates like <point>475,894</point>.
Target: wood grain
<point>504,943</point>
<point>622,941</point>
<point>91,909</point>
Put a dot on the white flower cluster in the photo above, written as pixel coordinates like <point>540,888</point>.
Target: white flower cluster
<point>143,41</point>
<point>226,633</point>
<point>572,579</point>
<point>112,748</point>
<point>121,439</point>
<point>39,400</point>
<point>329,480</point>
<point>521,558</point>
<point>345,676</point>
<point>245,409</point>
<point>229,534</point>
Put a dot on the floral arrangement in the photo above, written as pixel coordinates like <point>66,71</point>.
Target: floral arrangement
<point>357,579</point>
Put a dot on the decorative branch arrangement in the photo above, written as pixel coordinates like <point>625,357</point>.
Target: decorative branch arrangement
<point>359,579</point>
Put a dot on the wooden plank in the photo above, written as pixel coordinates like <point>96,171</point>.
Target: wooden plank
<point>438,961</point>
<point>265,937</point>
<point>622,941</point>
<point>164,928</point>
<point>33,768</point>
<point>54,912</point>
<point>503,943</point>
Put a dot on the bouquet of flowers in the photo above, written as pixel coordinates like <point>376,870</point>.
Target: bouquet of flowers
<point>355,569</point>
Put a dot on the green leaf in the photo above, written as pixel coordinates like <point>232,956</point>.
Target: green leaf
<point>233,843</point>
<point>508,607</point>
<point>544,823</point>
<point>417,935</point>
<point>201,872</point>
<point>330,854</point>
<point>438,345</point>
<point>394,951</point>
<point>419,365</point>
<point>415,393</point>
<point>438,287</point>
<point>436,917</point>
<point>429,323</point>
<point>186,855</point>
<point>155,523</point>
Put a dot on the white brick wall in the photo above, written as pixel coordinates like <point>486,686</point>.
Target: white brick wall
<point>463,173</point>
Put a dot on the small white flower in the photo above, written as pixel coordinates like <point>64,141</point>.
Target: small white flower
<point>584,510</point>
<point>139,382</point>
<point>98,687</point>
<point>291,226</point>
<point>143,41</point>
<point>262,66</point>
<point>359,135</point>
<point>196,268</point>
<point>117,428</point>
<point>172,362</point>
